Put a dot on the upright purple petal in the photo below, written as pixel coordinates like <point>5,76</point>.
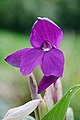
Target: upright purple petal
<point>30,60</point>
<point>14,58</point>
<point>53,63</point>
<point>46,82</point>
<point>45,30</point>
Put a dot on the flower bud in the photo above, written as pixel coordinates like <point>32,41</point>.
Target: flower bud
<point>69,114</point>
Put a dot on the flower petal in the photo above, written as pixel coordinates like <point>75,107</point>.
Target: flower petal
<point>46,82</point>
<point>21,112</point>
<point>53,63</point>
<point>14,58</point>
<point>45,30</point>
<point>30,60</point>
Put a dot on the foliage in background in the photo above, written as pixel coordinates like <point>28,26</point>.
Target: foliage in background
<point>19,15</point>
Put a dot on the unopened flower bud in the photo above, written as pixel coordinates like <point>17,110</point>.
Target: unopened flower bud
<point>69,114</point>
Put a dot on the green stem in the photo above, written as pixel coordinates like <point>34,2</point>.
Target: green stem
<point>43,109</point>
<point>37,114</point>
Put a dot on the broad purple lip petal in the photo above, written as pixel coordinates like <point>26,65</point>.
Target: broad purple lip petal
<point>30,60</point>
<point>46,82</point>
<point>45,30</point>
<point>14,58</point>
<point>53,63</point>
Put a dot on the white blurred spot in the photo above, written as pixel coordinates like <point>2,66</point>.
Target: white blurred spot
<point>70,90</point>
<point>46,49</point>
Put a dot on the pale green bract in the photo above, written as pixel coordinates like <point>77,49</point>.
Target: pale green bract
<point>59,110</point>
<point>28,118</point>
<point>19,113</point>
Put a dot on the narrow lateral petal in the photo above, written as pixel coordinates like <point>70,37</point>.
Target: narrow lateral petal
<point>19,113</point>
<point>46,82</point>
<point>53,63</point>
<point>45,30</point>
<point>30,60</point>
<point>14,58</point>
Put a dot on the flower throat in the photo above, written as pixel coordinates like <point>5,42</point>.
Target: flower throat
<point>46,46</point>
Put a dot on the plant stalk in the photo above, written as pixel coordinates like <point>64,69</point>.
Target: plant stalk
<point>34,94</point>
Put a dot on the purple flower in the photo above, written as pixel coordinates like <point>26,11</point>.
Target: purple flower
<point>45,38</point>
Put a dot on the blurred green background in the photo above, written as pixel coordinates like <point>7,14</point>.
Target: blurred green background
<point>16,20</point>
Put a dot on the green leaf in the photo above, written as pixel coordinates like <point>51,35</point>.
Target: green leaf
<point>59,110</point>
